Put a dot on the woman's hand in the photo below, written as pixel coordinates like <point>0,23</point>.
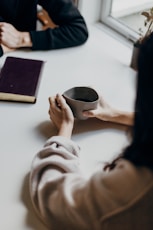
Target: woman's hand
<point>12,38</point>
<point>61,115</point>
<point>105,112</point>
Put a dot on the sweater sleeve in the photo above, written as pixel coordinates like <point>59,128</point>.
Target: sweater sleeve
<point>71,30</point>
<point>64,199</point>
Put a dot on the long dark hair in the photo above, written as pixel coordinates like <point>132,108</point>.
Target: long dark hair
<point>140,151</point>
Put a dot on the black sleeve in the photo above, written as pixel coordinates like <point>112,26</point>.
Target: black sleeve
<point>1,51</point>
<point>71,30</point>
<point>1,19</point>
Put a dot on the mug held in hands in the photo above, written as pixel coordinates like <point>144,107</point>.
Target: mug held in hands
<point>81,98</point>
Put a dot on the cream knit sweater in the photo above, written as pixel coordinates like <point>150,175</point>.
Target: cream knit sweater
<point>65,200</point>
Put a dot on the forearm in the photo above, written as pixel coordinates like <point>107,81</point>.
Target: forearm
<point>71,30</point>
<point>59,38</point>
<point>121,117</point>
<point>58,156</point>
<point>65,130</point>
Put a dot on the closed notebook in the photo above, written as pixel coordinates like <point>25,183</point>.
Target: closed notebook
<point>19,79</point>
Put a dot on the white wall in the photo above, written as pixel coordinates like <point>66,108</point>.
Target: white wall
<point>90,9</point>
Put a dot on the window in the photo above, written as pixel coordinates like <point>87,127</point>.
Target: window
<point>124,16</point>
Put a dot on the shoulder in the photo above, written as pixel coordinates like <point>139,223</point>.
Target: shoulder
<point>126,181</point>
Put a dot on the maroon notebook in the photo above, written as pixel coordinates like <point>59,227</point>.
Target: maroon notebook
<point>19,79</point>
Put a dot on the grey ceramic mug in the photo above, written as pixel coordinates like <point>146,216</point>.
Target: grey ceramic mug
<point>81,98</point>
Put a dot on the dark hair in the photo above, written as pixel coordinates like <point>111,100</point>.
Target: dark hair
<point>140,151</point>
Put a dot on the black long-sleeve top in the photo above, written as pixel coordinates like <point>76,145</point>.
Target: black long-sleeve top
<point>22,14</point>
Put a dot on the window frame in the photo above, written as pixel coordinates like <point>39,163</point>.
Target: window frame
<point>114,24</point>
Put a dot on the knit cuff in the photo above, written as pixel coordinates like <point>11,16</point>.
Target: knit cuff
<point>40,40</point>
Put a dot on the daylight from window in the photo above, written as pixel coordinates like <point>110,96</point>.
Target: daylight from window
<point>129,12</point>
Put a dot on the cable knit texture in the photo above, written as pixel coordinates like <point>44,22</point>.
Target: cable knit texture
<point>64,199</point>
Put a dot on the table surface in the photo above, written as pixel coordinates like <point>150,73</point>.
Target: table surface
<point>102,63</point>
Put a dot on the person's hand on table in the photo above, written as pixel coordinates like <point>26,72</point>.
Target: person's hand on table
<point>105,112</point>
<point>61,115</point>
<point>11,38</point>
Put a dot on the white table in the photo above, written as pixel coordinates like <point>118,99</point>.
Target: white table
<point>25,127</point>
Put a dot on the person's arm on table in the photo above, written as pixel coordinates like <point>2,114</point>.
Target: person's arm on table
<point>71,29</point>
<point>61,115</point>
<point>61,195</point>
<point>58,158</point>
<point>12,39</point>
<point>105,112</point>
<point>59,192</point>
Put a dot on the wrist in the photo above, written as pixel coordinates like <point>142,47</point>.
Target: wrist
<point>112,116</point>
<point>109,115</point>
<point>121,117</point>
<point>66,130</point>
<point>26,39</point>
